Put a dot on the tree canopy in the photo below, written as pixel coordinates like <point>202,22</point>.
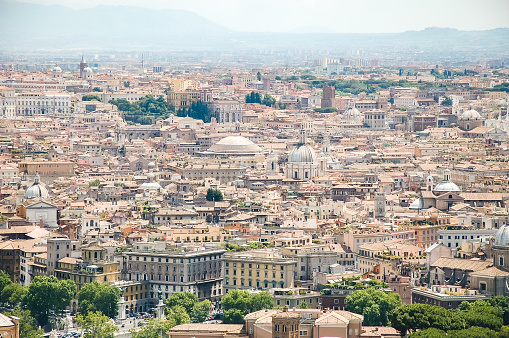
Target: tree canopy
<point>198,110</point>
<point>47,293</point>
<point>214,195</point>
<point>144,111</point>
<point>238,303</point>
<point>187,300</point>
<point>13,294</point>
<point>413,317</point>
<point>375,305</point>
<point>155,328</point>
<point>96,325</point>
<point>90,97</point>
<point>177,314</point>
<point>4,280</point>
<point>201,311</point>
<point>95,297</point>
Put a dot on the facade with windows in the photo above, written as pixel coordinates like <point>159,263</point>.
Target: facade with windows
<point>196,271</point>
<point>257,269</point>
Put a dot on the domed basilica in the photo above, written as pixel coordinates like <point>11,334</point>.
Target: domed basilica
<point>303,163</point>
<point>495,280</point>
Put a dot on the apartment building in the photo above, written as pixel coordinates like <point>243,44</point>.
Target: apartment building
<point>310,259</point>
<point>258,269</point>
<point>30,103</point>
<point>196,269</point>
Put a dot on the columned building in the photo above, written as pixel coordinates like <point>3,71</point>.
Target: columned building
<point>227,111</point>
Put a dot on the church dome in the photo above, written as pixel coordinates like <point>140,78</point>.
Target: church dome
<point>57,70</point>
<point>87,70</point>
<point>302,154</point>
<point>236,145</point>
<point>502,236</point>
<point>471,115</point>
<point>36,190</point>
<point>352,114</point>
<point>446,186</point>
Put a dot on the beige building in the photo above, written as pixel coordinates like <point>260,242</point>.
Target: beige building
<point>48,170</point>
<point>183,98</point>
<point>257,269</point>
<point>310,323</point>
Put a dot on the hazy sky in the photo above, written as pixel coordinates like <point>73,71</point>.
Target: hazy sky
<point>352,16</point>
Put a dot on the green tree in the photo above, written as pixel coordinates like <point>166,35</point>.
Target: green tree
<point>259,76</point>
<point>502,303</point>
<point>47,293</point>
<point>127,84</point>
<point>303,305</point>
<point>473,332</point>
<point>413,317</point>
<point>201,311</point>
<point>178,315</point>
<point>233,316</point>
<point>214,195</point>
<point>94,297</point>
<point>237,303</point>
<point>155,328</point>
<point>481,314</point>
<point>504,331</point>
<point>375,305</point>
<point>260,301</point>
<point>90,97</point>
<point>27,325</point>
<point>97,89</point>
<point>187,300</point>
<point>4,280</point>
<point>428,333</point>
<point>447,102</point>
<point>13,294</point>
<point>268,100</point>
<point>96,325</point>
<point>94,183</point>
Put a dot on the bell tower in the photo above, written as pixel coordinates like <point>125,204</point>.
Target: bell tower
<point>83,65</point>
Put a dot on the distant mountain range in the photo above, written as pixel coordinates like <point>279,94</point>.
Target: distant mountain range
<point>32,26</point>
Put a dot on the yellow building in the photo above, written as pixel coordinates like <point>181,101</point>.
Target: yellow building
<point>257,269</point>
<point>182,84</point>
<point>183,99</point>
<point>92,268</point>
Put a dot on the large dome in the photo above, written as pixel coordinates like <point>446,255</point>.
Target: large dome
<point>238,145</point>
<point>446,187</point>
<point>352,114</point>
<point>302,154</point>
<point>471,115</point>
<point>502,236</point>
<point>36,190</point>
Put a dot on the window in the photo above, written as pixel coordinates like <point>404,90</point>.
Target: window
<point>501,261</point>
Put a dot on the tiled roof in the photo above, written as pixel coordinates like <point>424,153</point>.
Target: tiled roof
<point>461,264</point>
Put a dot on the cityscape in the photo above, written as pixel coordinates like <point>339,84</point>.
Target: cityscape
<point>175,170</point>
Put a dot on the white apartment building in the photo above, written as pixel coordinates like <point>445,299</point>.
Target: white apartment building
<point>7,102</point>
<point>33,103</point>
<point>454,238</point>
<point>405,101</point>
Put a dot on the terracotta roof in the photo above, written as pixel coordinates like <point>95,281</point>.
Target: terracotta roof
<point>492,272</point>
<point>225,328</point>
<point>462,264</point>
